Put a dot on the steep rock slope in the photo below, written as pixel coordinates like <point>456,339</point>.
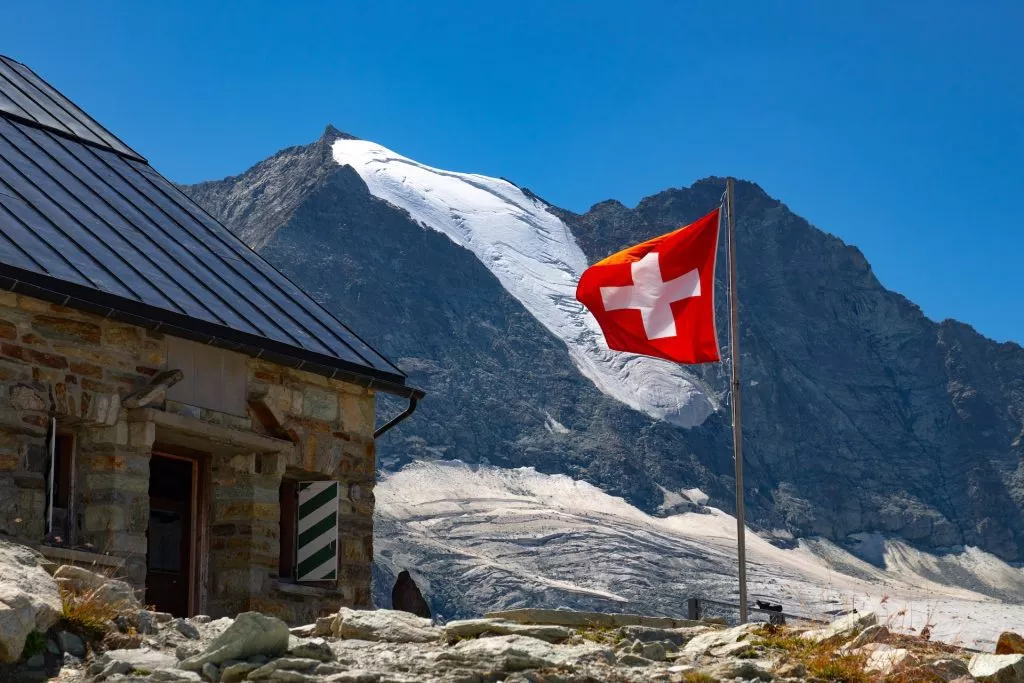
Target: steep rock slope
<point>860,414</point>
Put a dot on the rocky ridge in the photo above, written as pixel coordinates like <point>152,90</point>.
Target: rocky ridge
<point>860,413</point>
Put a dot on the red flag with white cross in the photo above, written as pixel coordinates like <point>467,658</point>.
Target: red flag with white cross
<point>657,298</point>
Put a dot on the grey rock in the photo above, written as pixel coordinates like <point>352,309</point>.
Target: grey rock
<point>147,623</point>
<point>946,669</point>
<point>36,662</point>
<point>70,661</point>
<point>746,669</point>
<point>883,659</point>
<point>472,628</point>
<point>201,619</point>
<point>516,653</point>
<point>654,651</point>
<point>172,676</point>
<point>646,634</point>
<point>186,628</point>
<point>211,672</point>
<point>70,643</point>
<point>316,648</point>
<point>251,634</point>
<point>846,626</point>
<point>387,625</point>
<point>272,669</point>
<point>142,658</point>
<point>997,668</point>
<point>876,633</point>
<point>630,659</point>
<point>712,640</point>
<point>237,671</point>
<point>29,600</point>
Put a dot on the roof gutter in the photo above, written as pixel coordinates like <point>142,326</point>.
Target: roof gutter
<point>414,400</point>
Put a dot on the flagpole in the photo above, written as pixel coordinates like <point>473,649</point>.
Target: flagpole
<point>737,429</point>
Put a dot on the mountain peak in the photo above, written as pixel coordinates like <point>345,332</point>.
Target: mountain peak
<point>331,134</point>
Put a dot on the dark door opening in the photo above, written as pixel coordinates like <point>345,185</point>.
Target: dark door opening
<point>170,550</point>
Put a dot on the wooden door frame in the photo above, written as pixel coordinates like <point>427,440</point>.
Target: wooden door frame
<point>200,514</point>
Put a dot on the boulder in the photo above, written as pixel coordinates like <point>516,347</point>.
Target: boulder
<point>997,668</point>
<point>1010,643</point>
<point>251,634</point>
<point>884,659</point>
<point>943,669</point>
<point>70,643</point>
<point>714,640</point>
<point>107,589</point>
<point>29,599</point>
<point>473,628</point>
<point>746,669</point>
<point>406,596</point>
<point>186,628</point>
<point>842,628</point>
<point>384,625</point>
<point>872,634</point>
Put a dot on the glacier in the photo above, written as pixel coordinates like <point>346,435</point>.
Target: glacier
<point>535,257</point>
<point>478,538</point>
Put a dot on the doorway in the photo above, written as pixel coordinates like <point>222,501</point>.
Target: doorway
<point>171,547</point>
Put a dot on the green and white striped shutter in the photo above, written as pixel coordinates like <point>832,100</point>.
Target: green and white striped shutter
<point>317,547</point>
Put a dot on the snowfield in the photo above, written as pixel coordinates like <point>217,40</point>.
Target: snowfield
<point>537,260</point>
<point>478,538</point>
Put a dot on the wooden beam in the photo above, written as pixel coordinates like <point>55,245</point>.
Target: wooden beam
<point>156,388</point>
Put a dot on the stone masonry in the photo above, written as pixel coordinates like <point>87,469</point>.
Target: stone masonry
<point>60,363</point>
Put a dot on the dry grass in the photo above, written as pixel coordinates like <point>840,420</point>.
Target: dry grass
<point>698,677</point>
<point>85,614</point>
<point>822,660</point>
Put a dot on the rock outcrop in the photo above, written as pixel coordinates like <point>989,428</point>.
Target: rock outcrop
<point>29,599</point>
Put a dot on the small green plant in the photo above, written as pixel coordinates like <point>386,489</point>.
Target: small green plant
<point>35,644</point>
<point>698,677</point>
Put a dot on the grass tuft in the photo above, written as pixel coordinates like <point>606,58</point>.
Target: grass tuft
<point>85,614</point>
<point>698,677</point>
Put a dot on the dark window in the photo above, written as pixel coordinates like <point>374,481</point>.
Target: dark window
<point>63,472</point>
<point>289,500</point>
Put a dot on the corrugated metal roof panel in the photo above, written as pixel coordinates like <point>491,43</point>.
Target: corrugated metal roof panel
<point>88,219</point>
<point>25,95</point>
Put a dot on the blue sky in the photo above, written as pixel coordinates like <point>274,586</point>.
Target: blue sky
<point>897,126</point>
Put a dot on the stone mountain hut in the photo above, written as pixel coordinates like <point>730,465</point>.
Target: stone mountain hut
<point>173,410</point>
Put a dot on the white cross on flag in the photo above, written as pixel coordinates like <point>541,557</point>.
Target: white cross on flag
<point>657,298</point>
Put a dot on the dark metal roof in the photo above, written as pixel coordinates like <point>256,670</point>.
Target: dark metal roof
<point>86,222</point>
<point>25,96</point>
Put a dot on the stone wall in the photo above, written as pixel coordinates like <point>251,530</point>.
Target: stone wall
<point>57,362</point>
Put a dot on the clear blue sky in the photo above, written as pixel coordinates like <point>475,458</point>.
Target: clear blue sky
<point>897,126</point>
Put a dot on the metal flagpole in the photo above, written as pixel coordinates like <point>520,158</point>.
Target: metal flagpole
<point>737,429</point>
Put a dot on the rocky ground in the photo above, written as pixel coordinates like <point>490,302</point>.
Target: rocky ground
<point>386,646</point>
<point>80,627</point>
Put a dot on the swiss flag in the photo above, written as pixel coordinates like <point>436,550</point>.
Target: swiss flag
<point>657,298</point>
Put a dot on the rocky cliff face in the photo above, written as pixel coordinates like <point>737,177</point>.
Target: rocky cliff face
<point>860,414</point>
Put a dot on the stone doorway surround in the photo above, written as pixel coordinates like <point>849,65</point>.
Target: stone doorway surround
<point>240,471</point>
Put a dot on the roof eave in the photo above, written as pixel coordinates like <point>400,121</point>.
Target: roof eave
<point>93,301</point>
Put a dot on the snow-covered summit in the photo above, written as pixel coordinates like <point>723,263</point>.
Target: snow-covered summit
<point>536,259</point>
